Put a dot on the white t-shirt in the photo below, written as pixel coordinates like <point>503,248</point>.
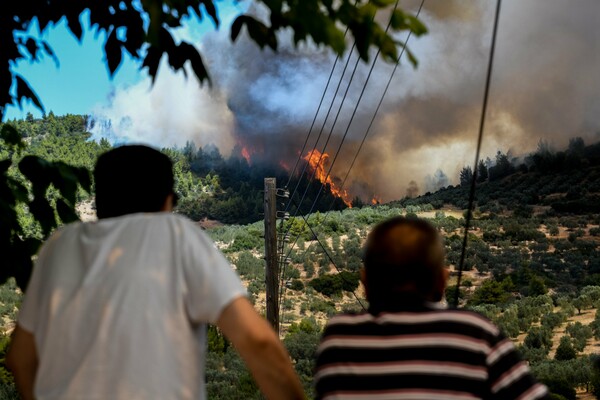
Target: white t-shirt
<point>118,308</point>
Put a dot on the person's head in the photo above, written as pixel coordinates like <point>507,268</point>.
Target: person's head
<point>132,179</point>
<point>403,256</point>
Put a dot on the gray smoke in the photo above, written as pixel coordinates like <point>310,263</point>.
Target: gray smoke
<point>546,85</point>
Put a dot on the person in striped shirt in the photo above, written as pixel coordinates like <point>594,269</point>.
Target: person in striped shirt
<point>407,346</point>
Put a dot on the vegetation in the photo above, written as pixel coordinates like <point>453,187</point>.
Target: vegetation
<point>533,268</point>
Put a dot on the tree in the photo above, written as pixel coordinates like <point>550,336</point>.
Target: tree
<point>537,286</point>
<point>482,172</point>
<point>466,176</point>
<point>565,350</point>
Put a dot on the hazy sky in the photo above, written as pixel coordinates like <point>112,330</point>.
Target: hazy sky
<point>546,85</point>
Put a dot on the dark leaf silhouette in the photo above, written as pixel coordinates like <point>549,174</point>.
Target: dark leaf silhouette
<point>24,91</point>
<point>113,52</point>
<point>11,136</point>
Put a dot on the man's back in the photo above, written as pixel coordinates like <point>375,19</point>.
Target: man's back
<point>420,353</point>
<point>117,308</point>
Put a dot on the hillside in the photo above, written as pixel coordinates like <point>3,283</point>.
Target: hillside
<point>532,264</point>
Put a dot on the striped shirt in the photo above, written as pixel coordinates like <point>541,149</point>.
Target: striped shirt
<point>425,353</point>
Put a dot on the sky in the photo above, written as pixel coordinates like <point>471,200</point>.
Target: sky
<point>81,80</point>
<point>545,86</point>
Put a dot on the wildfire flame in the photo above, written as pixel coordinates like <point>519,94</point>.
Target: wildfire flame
<point>246,155</point>
<point>375,200</point>
<point>317,161</point>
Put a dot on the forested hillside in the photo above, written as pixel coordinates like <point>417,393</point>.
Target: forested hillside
<point>208,184</point>
<point>532,265</point>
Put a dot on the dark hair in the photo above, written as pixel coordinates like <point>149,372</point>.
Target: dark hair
<point>131,179</point>
<point>402,255</point>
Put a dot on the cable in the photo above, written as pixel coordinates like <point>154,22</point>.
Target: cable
<point>477,152</point>
<point>326,142</point>
<point>315,118</point>
<point>375,114</point>
<point>321,132</point>
<point>318,108</point>
<point>371,122</point>
<point>331,259</point>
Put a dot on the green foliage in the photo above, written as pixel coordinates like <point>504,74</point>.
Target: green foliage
<point>301,342</point>
<point>492,292</point>
<point>537,287</point>
<point>331,285</point>
<point>538,337</point>
<point>5,376</point>
<point>580,334</point>
<point>216,341</point>
<point>565,350</point>
<point>297,285</point>
<point>45,190</point>
<point>249,266</point>
<point>228,378</point>
<point>561,389</point>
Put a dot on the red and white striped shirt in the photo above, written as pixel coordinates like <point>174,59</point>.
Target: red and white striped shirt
<point>417,354</point>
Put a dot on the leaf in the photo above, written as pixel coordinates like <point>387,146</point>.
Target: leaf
<point>195,59</point>
<point>211,10</point>
<point>74,24</point>
<point>32,47</point>
<point>43,213</point>
<point>236,27</point>
<point>113,52</point>
<point>258,32</point>
<point>382,3</point>
<point>19,190</point>
<point>66,212</point>
<point>24,91</point>
<point>50,52</point>
<point>63,177</point>
<point>36,170</point>
<point>152,61</point>
<point>5,165</point>
<point>12,137</point>
<point>411,57</point>
<point>398,20</point>
<point>84,178</point>
<point>336,39</point>
<point>416,26</point>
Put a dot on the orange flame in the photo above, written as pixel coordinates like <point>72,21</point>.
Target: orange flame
<point>375,200</point>
<point>317,164</point>
<point>246,155</point>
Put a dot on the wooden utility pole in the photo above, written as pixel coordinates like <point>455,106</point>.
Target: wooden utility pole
<point>272,267</point>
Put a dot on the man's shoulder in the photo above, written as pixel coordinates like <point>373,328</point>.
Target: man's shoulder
<point>429,316</point>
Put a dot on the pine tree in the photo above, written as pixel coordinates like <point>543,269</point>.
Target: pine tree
<point>466,176</point>
<point>482,172</point>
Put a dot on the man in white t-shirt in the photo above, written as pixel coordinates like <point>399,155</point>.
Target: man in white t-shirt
<point>117,309</point>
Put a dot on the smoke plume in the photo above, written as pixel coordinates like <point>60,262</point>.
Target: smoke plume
<point>545,85</point>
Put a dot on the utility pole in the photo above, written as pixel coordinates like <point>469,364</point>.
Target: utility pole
<point>272,267</point>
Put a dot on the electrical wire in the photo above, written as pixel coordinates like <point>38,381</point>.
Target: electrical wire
<point>477,152</point>
<point>351,120</point>
<point>374,115</point>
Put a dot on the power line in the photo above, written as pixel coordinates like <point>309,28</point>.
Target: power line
<point>315,117</point>
<point>283,287</point>
<point>350,122</point>
<point>374,114</point>
<point>326,142</point>
<point>477,152</point>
